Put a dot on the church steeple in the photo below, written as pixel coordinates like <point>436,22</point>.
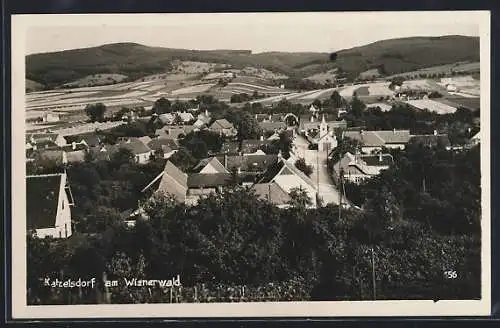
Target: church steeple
<point>323,127</point>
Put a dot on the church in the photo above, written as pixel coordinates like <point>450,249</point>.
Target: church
<point>326,139</point>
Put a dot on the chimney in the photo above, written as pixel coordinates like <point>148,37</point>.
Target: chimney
<point>380,158</point>
<point>312,118</point>
<point>393,130</point>
<point>261,138</point>
<point>435,132</point>
<point>73,144</point>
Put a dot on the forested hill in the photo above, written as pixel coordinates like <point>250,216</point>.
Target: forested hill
<point>136,60</point>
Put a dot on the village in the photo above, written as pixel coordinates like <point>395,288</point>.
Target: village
<point>269,164</point>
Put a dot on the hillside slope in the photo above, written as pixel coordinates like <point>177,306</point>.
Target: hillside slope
<point>135,60</point>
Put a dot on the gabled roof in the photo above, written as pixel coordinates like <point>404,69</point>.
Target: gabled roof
<point>167,145</point>
<point>199,180</point>
<point>186,116</point>
<point>221,124</point>
<point>42,199</point>
<point>173,181</point>
<point>134,145</point>
<point>91,139</point>
<point>283,167</point>
<point>173,132</point>
<point>255,163</point>
<point>210,161</point>
<point>40,136</point>
<point>379,138</point>
<point>431,140</point>
<point>271,192</point>
<point>364,164</point>
<point>78,147</point>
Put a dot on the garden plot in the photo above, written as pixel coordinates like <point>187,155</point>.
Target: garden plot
<point>318,94</point>
<point>193,89</point>
<point>380,89</point>
<point>431,105</point>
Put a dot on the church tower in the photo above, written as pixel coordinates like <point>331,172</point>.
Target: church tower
<point>323,127</point>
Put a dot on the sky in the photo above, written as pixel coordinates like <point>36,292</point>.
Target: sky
<point>291,32</point>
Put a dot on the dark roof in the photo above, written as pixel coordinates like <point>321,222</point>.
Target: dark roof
<point>221,124</point>
<point>173,132</point>
<point>379,138</point>
<point>252,163</point>
<point>42,198</point>
<point>377,160</point>
<point>135,145</point>
<point>271,192</point>
<point>271,172</point>
<point>198,180</point>
<point>431,140</point>
<point>163,144</point>
<point>91,140</point>
<point>78,147</point>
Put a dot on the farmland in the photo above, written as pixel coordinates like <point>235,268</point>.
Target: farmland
<point>431,105</point>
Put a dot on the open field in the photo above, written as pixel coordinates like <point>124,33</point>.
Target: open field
<point>324,76</point>
<point>461,67</point>
<point>431,105</point>
<point>458,101</point>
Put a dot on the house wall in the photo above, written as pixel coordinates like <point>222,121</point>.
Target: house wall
<point>60,141</point>
<point>63,218</point>
<point>143,158</point>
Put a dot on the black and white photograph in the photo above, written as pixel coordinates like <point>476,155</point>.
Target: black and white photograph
<point>277,164</point>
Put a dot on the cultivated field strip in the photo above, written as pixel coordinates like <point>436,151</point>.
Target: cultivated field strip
<point>431,105</point>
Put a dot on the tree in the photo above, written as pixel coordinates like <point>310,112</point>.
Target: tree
<point>162,106</point>
<point>302,166</point>
<point>357,106</point>
<point>183,159</point>
<point>95,111</point>
<point>336,100</point>
<point>299,198</point>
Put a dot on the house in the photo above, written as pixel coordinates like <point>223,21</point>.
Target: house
<point>166,119</point>
<point>313,109</point>
<point>42,139</point>
<point>203,120</point>
<point>91,140</point>
<point>188,188</point>
<point>48,205</point>
<point>75,152</point>
<point>311,123</point>
<point>185,117</point>
<point>55,156</point>
<point>172,181</point>
<point>287,177</point>
<point>162,147</point>
<point>210,166</point>
<point>224,128</point>
<point>174,132</point>
<point>431,140</point>
<point>357,168</point>
<point>476,139</point>
<point>50,117</point>
<point>141,152</point>
<point>247,164</point>
<point>376,140</point>
<point>273,193</point>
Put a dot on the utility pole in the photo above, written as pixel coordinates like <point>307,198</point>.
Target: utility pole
<point>373,275</point>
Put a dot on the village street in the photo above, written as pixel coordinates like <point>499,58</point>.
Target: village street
<point>327,191</point>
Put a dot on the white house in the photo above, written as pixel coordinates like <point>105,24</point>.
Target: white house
<point>48,205</point>
<point>50,117</point>
<point>357,168</point>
